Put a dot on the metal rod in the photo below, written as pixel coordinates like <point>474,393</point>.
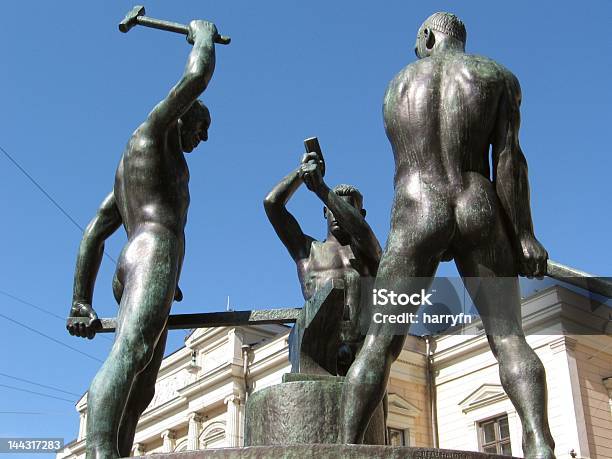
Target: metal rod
<point>209,319</point>
<point>581,279</point>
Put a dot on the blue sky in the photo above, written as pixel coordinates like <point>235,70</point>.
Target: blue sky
<point>73,89</point>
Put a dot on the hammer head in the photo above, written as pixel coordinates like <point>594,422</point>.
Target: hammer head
<point>130,19</point>
<point>312,145</point>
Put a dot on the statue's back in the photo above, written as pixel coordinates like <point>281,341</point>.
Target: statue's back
<point>443,109</point>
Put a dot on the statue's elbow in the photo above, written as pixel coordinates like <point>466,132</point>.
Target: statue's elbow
<point>94,232</point>
<point>91,229</point>
<point>269,202</point>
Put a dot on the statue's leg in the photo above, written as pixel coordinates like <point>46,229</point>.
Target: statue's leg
<point>365,385</point>
<point>485,260</point>
<point>141,395</point>
<point>150,269</point>
<point>408,263</point>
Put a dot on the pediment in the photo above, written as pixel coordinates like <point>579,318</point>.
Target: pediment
<point>486,394</point>
<point>400,405</point>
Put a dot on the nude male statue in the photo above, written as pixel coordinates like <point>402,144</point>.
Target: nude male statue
<point>150,199</point>
<point>441,114</point>
<point>350,251</point>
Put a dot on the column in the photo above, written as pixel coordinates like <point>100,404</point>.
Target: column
<point>193,435</point>
<point>232,421</point>
<point>242,420</point>
<point>82,425</point>
<point>168,437</point>
<point>568,396</point>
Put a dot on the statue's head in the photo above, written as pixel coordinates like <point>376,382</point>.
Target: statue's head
<point>351,195</point>
<point>194,125</point>
<point>440,31</point>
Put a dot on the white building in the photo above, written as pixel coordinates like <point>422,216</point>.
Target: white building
<point>202,387</point>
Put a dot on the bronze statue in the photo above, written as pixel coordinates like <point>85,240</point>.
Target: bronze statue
<point>350,251</point>
<point>150,199</point>
<point>441,114</point>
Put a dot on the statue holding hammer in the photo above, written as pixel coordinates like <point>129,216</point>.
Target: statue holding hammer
<point>350,253</point>
<point>150,199</point>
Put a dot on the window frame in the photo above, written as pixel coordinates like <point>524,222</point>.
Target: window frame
<point>498,441</point>
<point>405,434</point>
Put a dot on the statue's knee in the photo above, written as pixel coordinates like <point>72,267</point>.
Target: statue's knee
<point>142,356</point>
<point>518,358</point>
<point>510,347</point>
<point>93,391</point>
<point>138,352</point>
<point>98,394</point>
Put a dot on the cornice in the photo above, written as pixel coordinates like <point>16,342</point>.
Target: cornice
<point>269,361</point>
<point>224,373</point>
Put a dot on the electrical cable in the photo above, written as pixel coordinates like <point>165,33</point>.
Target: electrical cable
<point>33,330</point>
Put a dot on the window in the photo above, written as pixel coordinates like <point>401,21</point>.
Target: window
<point>397,437</point>
<point>495,436</point>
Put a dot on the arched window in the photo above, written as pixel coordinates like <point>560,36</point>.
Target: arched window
<point>181,446</point>
<point>213,435</point>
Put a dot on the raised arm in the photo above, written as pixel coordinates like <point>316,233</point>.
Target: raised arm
<point>197,74</point>
<point>351,219</point>
<point>286,226</point>
<point>511,182</point>
<point>91,250</point>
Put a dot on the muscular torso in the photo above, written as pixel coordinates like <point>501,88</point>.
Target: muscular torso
<point>440,116</point>
<point>152,185</point>
<point>330,260</point>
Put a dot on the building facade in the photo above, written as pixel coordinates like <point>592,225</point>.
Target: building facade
<point>443,392</point>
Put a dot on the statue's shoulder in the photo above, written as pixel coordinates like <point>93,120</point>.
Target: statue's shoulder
<point>410,70</point>
<point>142,140</point>
<point>403,76</point>
<point>489,68</point>
<point>314,244</point>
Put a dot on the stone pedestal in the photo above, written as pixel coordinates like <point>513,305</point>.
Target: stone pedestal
<point>304,409</point>
<point>327,452</point>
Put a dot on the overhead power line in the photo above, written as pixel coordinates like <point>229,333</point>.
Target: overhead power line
<point>33,330</point>
<point>41,189</point>
<point>27,303</point>
<point>41,309</point>
<point>47,195</point>
<point>38,384</point>
<point>35,393</point>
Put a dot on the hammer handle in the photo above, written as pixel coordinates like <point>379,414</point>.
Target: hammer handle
<point>173,27</point>
<point>579,278</point>
<point>162,25</point>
